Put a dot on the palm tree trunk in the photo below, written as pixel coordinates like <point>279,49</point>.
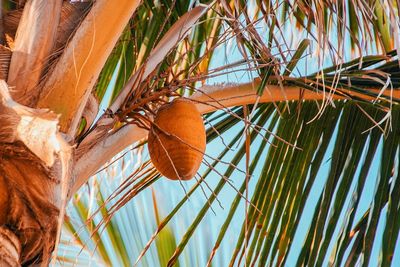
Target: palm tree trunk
<point>34,174</point>
<point>35,159</point>
<point>33,202</point>
<point>10,248</point>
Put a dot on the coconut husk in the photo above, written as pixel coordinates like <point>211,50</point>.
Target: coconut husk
<point>177,140</point>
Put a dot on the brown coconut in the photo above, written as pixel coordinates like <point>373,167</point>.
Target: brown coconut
<point>177,140</point>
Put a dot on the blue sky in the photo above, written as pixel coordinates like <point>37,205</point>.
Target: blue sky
<point>169,193</point>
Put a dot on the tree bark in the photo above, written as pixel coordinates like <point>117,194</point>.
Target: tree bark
<point>34,175</point>
<point>33,204</point>
<point>35,159</point>
<point>10,248</point>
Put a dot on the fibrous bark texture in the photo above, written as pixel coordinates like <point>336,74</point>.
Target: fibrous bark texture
<point>32,205</point>
<point>34,173</point>
<point>10,248</point>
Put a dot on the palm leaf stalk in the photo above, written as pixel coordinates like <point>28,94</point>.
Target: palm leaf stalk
<point>64,61</point>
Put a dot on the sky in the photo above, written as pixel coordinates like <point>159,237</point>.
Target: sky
<point>139,212</point>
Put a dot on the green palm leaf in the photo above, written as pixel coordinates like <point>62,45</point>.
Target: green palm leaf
<point>324,184</point>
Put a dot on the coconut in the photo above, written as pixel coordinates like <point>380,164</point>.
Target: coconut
<point>177,140</point>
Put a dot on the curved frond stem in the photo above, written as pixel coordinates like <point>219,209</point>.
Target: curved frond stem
<point>208,99</point>
<point>67,88</point>
<point>31,51</point>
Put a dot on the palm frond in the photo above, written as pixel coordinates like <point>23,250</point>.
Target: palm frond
<point>324,175</point>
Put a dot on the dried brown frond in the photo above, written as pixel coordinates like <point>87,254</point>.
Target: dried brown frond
<point>10,22</point>
<point>5,57</point>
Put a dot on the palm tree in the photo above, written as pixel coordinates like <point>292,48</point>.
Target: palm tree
<point>60,59</point>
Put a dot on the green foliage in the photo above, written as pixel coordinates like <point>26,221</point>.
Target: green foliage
<point>312,164</point>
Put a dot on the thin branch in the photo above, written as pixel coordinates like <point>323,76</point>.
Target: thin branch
<point>175,34</point>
